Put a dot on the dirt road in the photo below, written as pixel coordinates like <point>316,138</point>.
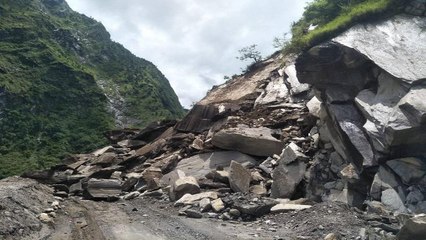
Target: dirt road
<point>141,220</point>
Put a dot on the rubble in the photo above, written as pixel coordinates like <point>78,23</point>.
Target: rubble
<point>354,136</point>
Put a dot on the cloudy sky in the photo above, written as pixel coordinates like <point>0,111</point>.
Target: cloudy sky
<point>193,42</point>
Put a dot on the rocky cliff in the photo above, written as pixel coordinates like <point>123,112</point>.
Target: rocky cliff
<point>371,81</point>
<point>63,82</point>
<point>333,139</point>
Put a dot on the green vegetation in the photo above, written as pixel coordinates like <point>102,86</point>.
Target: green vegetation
<point>332,17</point>
<point>52,61</point>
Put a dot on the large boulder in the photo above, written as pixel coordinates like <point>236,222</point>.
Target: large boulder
<point>286,178</point>
<point>200,165</point>
<point>239,178</point>
<point>394,200</point>
<point>291,153</point>
<point>383,180</point>
<point>190,199</point>
<point>402,44</point>
<point>253,141</point>
<point>102,189</point>
<point>394,117</point>
<point>198,119</point>
<point>414,228</point>
<point>318,67</point>
<point>183,186</point>
<point>410,170</point>
<point>294,85</point>
<point>350,126</point>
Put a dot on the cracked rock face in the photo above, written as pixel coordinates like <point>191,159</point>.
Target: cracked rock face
<point>402,42</point>
<point>374,106</point>
<point>385,83</point>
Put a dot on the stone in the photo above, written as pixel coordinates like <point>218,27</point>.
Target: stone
<point>217,205</point>
<point>61,194</point>
<point>255,208</point>
<point>103,189</point>
<point>256,177</point>
<point>318,68</point>
<point>393,125</point>
<point>291,153</point>
<point>132,144</point>
<point>253,141</point>
<point>295,86</point>
<point>191,213</point>
<point>183,186</point>
<point>413,106</point>
<point>337,162</point>
<point>235,213</point>
<point>131,195</point>
<point>155,194</point>
<point>155,130</point>
<point>414,196</point>
<point>239,178</point>
<point>314,106</point>
<point>199,119</point>
<point>392,200</point>
<point>350,173</point>
<point>286,178</point>
<point>383,180</point>
<point>101,151</point>
<point>55,205</point>
<point>170,178</point>
<point>197,144</point>
<point>349,124</point>
<point>275,92</point>
<point>210,184</point>
<point>414,228</point>
<point>288,207</point>
<point>410,170</point>
<point>49,210</point>
<point>45,218</point>
<point>268,165</point>
<point>332,236</point>
<point>190,199</point>
<point>259,190</point>
<point>347,196</point>
<point>76,188</point>
<point>375,207</point>
<point>200,165</point>
<point>219,176</point>
<point>205,205</point>
<point>131,180</point>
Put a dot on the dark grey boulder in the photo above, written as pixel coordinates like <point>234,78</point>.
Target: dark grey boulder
<point>286,178</point>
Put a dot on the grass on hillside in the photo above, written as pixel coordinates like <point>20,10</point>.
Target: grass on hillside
<point>334,16</point>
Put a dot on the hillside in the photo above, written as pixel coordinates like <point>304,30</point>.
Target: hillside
<point>63,82</point>
<point>326,144</point>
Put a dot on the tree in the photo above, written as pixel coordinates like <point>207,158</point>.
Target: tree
<point>281,42</point>
<point>250,52</point>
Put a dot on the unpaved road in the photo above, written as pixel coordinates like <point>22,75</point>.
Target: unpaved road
<point>142,221</point>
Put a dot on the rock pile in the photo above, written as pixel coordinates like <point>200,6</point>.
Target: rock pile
<point>265,142</point>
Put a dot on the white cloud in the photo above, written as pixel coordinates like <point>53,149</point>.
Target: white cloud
<point>193,42</point>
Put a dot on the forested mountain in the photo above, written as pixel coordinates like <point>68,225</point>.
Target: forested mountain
<point>63,82</point>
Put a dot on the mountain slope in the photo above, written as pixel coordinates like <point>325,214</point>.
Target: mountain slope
<point>63,82</point>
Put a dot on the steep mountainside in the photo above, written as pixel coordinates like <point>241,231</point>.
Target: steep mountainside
<point>63,82</point>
